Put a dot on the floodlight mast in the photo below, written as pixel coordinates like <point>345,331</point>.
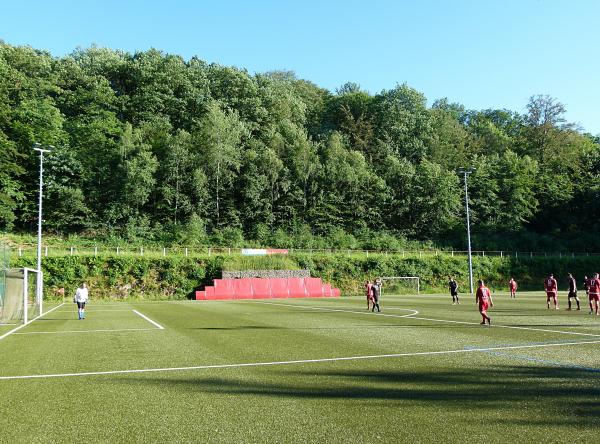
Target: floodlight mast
<point>465,172</point>
<point>38,147</point>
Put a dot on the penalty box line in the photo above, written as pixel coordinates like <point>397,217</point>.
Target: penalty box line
<point>156,324</point>
<point>58,332</point>
<point>413,316</point>
<point>295,362</point>
<point>25,325</point>
<point>94,310</point>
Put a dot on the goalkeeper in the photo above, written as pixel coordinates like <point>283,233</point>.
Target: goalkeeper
<point>81,297</point>
<point>453,286</point>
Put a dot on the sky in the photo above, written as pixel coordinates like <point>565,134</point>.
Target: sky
<point>480,53</point>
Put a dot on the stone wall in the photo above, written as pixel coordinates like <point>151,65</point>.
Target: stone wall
<point>266,274</point>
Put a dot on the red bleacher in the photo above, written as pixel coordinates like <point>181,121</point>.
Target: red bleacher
<point>263,288</point>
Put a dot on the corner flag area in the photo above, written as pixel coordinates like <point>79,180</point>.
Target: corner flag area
<point>303,370</point>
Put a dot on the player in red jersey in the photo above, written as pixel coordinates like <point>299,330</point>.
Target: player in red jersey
<point>594,293</point>
<point>551,287</point>
<point>512,286</point>
<point>483,298</point>
<point>368,291</point>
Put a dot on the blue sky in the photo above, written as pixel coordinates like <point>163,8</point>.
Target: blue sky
<point>483,54</point>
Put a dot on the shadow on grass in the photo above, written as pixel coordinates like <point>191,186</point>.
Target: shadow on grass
<point>363,326</point>
<point>572,394</point>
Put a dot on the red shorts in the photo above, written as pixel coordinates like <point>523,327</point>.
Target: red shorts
<point>550,295</point>
<point>483,307</point>
<point>594,297</point>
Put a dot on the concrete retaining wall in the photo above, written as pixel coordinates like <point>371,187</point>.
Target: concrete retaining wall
<point>286,274</point>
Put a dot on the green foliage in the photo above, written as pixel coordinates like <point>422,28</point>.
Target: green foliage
<point>176,277</point>
<point>275,262</point>
<point>149,146</point>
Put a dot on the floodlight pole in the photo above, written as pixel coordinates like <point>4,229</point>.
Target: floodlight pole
<point>465,172</point>
<point>38,147</point>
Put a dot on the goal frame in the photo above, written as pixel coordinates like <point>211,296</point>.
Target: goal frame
<point>399,278</point>
<point>30,277</point>
<point>38,275</point>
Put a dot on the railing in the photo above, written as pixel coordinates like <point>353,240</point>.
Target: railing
<point>210,251</point>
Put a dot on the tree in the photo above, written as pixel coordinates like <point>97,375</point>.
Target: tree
<point>181,181</point>
<point>10,186</point>
<point>220,137</point>
<point>545,122</point>
<point>450,142</point>
<point>137,167</point>
<point>66,209</point>
<point>424,200</point>
<point>349,112</point>
<point>351,192</point>
<point>503,192</point>
<point>402,121</point>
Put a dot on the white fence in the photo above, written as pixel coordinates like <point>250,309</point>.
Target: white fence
<point>196,251</point>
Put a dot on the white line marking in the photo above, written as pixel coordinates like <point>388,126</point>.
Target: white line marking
<point>149,320</point>
<point>25,325</point>
<point>511,326</point>
<point>412,316</point>
<point>299,361</point>
<point>414,312</point>
<point>93,310</point>
<point>82,331</point>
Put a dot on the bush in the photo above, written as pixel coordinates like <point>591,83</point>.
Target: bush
<point>177,277</point>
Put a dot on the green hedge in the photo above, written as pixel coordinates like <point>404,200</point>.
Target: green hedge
<point>127,276</point>
<point>178,277</point>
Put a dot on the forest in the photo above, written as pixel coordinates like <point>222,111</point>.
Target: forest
<point>150,146</point>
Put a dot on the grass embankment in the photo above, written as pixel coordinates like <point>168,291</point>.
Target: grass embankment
<point>176,277</point>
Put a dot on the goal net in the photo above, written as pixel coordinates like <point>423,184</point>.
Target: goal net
<point>400,285</point>
<point>21,295</point>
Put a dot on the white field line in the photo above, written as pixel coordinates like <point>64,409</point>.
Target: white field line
<point>93,310</point>
<point>25,325</point>
<point>83,331</point>
<point>299,361</point>
<point>414,312</point>
<point>511,326</point>
<point>148,319</point>
<point>412,316</point>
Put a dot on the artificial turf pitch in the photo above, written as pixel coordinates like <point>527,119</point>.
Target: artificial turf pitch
<point>444,381</point>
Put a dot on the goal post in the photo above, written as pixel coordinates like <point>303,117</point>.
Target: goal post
<point>22,295</point>
<point>398,285</point>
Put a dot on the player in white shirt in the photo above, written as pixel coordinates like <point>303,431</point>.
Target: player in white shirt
<point>81,297</point>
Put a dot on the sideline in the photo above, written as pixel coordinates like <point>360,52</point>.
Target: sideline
<point>148,319</point>
<point>300,361</point>
<point>25,325</point>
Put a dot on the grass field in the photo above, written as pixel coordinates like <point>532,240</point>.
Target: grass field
<point>319,370</point>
